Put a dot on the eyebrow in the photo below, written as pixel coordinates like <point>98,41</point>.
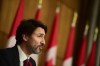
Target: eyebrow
<point>41,33</point>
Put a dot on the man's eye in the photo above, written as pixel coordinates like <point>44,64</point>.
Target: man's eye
<point>40,36</point>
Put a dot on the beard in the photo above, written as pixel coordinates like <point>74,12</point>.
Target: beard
<point>37,50</point>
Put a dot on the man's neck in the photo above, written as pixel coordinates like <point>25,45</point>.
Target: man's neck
<point>24,49</point>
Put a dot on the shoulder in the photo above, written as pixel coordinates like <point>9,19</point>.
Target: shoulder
<point>4,56</point>
<point>5,52</point>
<point>8,52</point>
<point>8,55</point>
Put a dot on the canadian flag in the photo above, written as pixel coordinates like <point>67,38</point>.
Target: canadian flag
<point>52,46</point>
<point>81,54</point>
<point>92,56</point>
<point>16,22</point>
<point>70,44</point>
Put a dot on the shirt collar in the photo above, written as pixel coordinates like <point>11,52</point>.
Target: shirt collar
<point>22,55</point>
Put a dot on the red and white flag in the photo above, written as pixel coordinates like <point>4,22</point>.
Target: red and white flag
<point>92,56</point>
<point>70,44</point>
<point>82,51</point>
<point>52,46</point>
<point>16,22</point>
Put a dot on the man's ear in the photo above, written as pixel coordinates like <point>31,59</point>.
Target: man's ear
<point>25,37</point>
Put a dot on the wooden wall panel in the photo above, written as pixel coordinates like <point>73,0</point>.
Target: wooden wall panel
<point>3,39</point>
<point>73,4</point>
<point>30,8</point>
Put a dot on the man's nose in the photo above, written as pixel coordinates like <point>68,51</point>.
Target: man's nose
<point>43,41</point>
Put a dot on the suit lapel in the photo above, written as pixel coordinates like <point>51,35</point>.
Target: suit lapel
<point>16,56</point>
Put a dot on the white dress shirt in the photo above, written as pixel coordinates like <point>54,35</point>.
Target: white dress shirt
<point>22,55</point>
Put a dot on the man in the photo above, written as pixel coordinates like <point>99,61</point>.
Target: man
<point>29,39</point>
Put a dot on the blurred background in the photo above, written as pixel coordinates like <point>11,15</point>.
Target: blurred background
<point>73,37</point>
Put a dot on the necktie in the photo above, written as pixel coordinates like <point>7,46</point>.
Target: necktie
<point>27,62</point>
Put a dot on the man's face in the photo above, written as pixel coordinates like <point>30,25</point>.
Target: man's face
<point>36,41</point>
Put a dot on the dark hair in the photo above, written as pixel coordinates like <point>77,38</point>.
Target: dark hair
<point>27,27</point>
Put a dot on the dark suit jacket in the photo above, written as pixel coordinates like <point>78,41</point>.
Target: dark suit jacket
<point>10,57</point>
